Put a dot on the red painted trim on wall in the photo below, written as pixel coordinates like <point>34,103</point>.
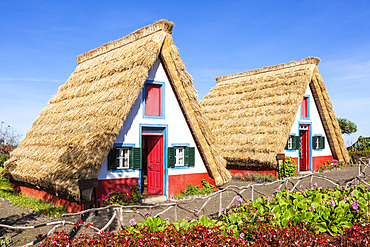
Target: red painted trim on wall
<point>176,183</point>
<point>317,161</point>
<point>244,172</point>
<point>69,204</point>
<point>320,160</point>
<point>296,162</point>
<point>109,185</point>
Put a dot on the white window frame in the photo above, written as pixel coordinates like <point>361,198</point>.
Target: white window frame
<point>123,158</point>
<point>180,156</point>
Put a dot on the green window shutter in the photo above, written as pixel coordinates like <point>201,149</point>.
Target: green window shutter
<point>295,144</point>
<point>191,157</point>
<point>186,156</point>
<point>112,161</point>
<point>322,142</point>
<point>286,146</point>
<point>315,140</point>
<point>135,158</point>
<point>171,157</point>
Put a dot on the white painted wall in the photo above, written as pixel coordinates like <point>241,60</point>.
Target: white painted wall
<point>316,128</point>
<point>178,131</point>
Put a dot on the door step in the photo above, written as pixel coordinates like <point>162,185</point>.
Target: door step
<point>305,172</point>
<point>154,199</point>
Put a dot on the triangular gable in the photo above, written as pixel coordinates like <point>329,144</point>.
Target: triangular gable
<point>187,98</point>
<point>251,113</point>
<point>74,133</point>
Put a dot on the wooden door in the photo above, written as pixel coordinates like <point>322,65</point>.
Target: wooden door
<point>154,147</point>
<point>304,149</point>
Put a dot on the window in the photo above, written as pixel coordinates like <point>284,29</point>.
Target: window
<point>180,156</point>
<point>292,143</point>
<point>153,100</point>
<point>304,108</point>
<point>121,158</point>
<point>318,142</point>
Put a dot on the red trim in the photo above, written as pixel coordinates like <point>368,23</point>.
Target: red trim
<point>109,185</point>
<point>176,183</point>
<point>244,172</point>
<point>320,160</point>
<point>47,195</point>
<point>296,162</point>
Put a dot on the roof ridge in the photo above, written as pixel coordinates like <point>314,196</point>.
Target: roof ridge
<point>308,60</point>
<point>161,25</point>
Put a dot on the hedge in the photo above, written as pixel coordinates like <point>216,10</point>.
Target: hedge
<point>355,155</point>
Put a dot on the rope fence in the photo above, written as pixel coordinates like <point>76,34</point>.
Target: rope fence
<point>177,206</point>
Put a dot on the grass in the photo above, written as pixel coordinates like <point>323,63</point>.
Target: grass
<point>25,202</point>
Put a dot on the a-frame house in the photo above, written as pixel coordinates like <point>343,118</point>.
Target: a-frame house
<point>127,114</point>
<point>285,108</point>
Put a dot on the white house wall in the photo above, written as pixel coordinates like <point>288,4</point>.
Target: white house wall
<point>316,128</point>
<point>178,130</point>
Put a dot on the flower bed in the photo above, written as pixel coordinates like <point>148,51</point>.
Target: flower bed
<point>314,217</point>
<point>331,164</point>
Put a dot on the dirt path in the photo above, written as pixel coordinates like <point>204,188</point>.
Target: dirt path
<point>11,215</point>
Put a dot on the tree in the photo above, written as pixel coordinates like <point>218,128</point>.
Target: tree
<point>363,143</point>
<point>8,135</point>
<point>346,126</point>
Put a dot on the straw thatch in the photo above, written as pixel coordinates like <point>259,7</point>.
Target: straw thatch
<point>251,114</point>
<point>73,135</point>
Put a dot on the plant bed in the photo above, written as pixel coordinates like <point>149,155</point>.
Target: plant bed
<point>192,190</point>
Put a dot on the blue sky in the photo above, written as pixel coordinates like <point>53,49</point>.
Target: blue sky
<point>39,42</point>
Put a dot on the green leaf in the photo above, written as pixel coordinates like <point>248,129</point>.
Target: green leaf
<point>184,225</point>
<point>333,229</point>
<point>322,227</point>
<point>309,216</point>
<point>285,222</point>
<point>203,220</point>
<point>346,224</point>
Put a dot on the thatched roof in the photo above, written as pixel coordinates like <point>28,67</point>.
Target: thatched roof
<point>252,113</point>
<point>73,135</point>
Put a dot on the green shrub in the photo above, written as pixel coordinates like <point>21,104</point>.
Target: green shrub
<point>290,167</point>
<point>195,190</point>
<point>365,144</point>
<point>3,158</point>
<point>358,154</point>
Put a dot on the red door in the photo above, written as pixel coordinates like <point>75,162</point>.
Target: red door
<point>304,160</point>
<point>154,147</point>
